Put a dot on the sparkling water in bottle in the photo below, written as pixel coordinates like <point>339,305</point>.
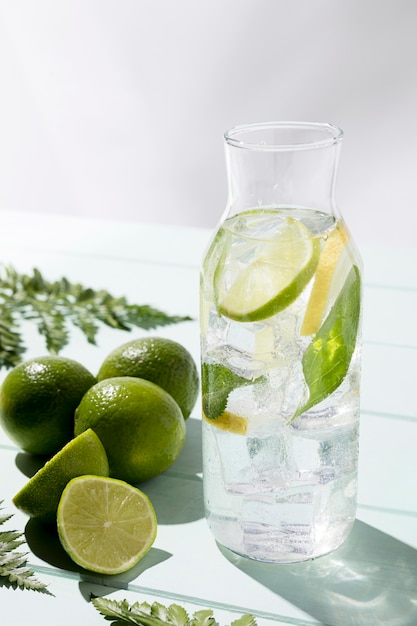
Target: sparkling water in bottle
<point>281,346</point>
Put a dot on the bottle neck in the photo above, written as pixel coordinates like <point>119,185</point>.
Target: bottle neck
<point>282,165</point>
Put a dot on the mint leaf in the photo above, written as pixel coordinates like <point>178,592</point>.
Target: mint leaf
<point>326,360</point>
<point>217,383</point>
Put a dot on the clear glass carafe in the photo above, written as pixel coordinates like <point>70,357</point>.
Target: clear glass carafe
<point>280,349</point>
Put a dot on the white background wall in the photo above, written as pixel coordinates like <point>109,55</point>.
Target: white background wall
<point>117,108</point>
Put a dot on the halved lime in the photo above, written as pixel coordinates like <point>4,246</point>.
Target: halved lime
<point>282,268</point>
<point>40,496</point>
<point>105,524</point>
<point>334,262</point>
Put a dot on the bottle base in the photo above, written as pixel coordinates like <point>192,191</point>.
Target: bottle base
<point>278,545</point>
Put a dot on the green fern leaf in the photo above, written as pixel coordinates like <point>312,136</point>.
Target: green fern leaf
<point>121,613</point>
<point>14,569</point>
<point>54,306</point>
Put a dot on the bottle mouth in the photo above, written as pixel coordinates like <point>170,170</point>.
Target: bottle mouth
<point>283,136</point>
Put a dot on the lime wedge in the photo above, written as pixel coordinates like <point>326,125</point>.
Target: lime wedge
<point>333,261</point>
<point>82,455</point>
<point>273,280</point>
<point>105,524</point>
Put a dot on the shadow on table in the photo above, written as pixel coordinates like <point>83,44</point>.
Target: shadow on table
<point>44,542</point>
<point>29,464</point>
<point>371,579</point>
<point>108,584</point>
<point>177,495</point>
<point>190,460</point>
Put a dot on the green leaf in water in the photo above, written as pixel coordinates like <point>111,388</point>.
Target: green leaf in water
<point>217,383</point>
<point>326,360</point>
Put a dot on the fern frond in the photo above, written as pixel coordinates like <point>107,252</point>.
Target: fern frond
<point>121,613</point>
<point>53,306</point>
<point>14,569</point>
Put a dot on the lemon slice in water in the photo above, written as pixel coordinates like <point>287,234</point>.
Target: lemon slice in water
<point>105,524</point>
<point>332,268</point>
<point>282,268</point>
<point>230,422</point>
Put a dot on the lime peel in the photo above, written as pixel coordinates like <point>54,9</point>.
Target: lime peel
<point>161,361</point>
<point>38,399</point>
<point>139,424</point>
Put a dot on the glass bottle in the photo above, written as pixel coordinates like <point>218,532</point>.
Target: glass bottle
<point>280,348</point>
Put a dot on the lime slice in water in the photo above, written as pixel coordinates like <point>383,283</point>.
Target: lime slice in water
<point>273,280</point>
<point>105,524</point>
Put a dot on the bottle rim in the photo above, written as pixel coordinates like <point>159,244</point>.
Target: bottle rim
<point>283,136</point>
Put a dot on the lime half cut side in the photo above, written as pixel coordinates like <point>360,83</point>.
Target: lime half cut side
<point>105,525</point>
<point>279,273</point>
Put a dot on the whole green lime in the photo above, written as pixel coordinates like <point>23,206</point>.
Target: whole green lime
<point>40,496</point>
<point>38,399</point>
<point>162,361</point>
<point>139,424</point>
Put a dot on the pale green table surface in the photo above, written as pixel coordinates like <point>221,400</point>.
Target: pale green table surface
<point>371,580</point>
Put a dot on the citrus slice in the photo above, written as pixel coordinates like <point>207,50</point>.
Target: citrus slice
<point>83,455</point>
<point>104,524</point>
<point>278,275</point>
<point>333,258</point>
<point>230,422</point>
